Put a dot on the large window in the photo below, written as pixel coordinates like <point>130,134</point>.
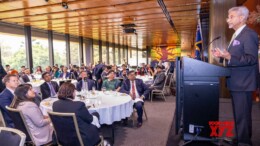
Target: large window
<point>116,56</point>
<point>40,52</point>
<point>59,50</point>
<point>111,57</point>
<point>13,50</point>
<point>132,56</point>
<point>104,52</point>
<point>95,52</point>
<point>74,53</point>
<point>141,57</point>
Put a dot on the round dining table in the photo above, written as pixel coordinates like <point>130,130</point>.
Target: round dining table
<point>146,79</point>
<point>112,106</point>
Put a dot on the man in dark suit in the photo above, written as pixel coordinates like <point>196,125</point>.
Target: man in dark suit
<point>65,74</point>
<point>241,58</point>
<point>27,77</point>
<point>7,95</point>
<point>138,91</point>
<point>159,79</point>
<point>48,88</point>
<point>2,74</point>
<point>85,82</point>
<point>97,73</point>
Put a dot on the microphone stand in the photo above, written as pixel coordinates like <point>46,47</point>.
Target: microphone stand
<point>206,48</point>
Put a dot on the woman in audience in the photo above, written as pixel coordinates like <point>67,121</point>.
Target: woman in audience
<point>56,73</point>
<point>65,104</point>
<point>39,125</point>
<point>38,70</point>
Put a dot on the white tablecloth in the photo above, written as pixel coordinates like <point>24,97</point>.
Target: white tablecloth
<point>146,79</point>
<point>36,85</point>
<point>111,106</point>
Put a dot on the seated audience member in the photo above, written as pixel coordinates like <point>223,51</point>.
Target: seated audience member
<point>21,71</point>
<point>105,72</point>
<point>14,72</point>
<point>150,70</point>
<point>7,68</point>
<point>65,104</point>
<point>6,96</point>
<point>65,74</point>
<point>2,74</point>
<point>111,83</point>
<point>84,82</point>
<point>123,74</point>
<point>56,73</point>
<point>27,77</point>
<point>48,69</point>
<point>138,91</point>
<point>38,70</point>
<point>38,124</point>
<point>115,69</point>
<point>48,88</point>
<point>123,69</point>
<point>159,79</point>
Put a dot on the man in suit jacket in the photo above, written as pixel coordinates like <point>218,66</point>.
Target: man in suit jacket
<point>27,77</point>
<point>65,74</point>
<point>241,58</point>
<point>84,78</point>
<point>48,88</point>
<point>97,73</point>
<point>2,74</point>
<point>159,79</point>
<point>7,95</point>
<point>138,91</point>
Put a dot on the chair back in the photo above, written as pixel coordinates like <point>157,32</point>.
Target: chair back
<point>2,118</point>
<point>168,79</point>
<point>19,122</point>
<point>11,137</point>
<point>66,128</point>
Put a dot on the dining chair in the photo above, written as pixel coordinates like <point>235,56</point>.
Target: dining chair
<point>11,137</point>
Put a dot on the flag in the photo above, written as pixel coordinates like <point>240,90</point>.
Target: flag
<point>198,44</point>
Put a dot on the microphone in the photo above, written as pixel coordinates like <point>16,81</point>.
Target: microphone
<point>216,38</point>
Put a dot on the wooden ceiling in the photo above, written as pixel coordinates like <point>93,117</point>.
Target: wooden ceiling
<point>102,19</point>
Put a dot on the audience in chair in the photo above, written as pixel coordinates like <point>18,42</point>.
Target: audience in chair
<point>138,91</point>
<point>48,88</point>
<point>65,104</point>
<point>65,74</point>
<point>7,95</point>
<point>159,79</point>
<point>27,77</point>
<point>38,124</point>
<point>84,82</point>
<point>111,84</point>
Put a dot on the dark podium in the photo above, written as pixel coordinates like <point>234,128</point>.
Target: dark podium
<point>197,97</point>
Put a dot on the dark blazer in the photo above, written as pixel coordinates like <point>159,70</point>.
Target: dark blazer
<point>6,98</point>
<point>141,88</point>
<point>67,75</point>
<point>89,132</point>
<point>159,80</point>
<point>25,78</point>
<point>98,71</point>
<point>244,61</point>
<point>91,84</point>
<point>46,91</point>
<point>2,74</point>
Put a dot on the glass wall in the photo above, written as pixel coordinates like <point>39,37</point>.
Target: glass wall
<point>116,56</point>
<point>104,52</point>
<point>13,50</point>
<point>74,53</point>
<point>40,52</point>
<point>95,52</point>
<point>59,50</point>
<point>132,58</point>
<point>111,57</point>
<point>141,57</point>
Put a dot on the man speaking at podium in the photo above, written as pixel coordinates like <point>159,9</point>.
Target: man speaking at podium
<point>241,56</point>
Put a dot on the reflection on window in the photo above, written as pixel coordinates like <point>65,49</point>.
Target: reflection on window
<point>59,50</point>
<point>13,50</point>
<point>96,53</point>
<point>111,58</point>
<point>40,52</point>
<point>74,53</point>
<point>116,56</point>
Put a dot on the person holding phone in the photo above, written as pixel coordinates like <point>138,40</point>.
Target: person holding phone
<point>85,82</point>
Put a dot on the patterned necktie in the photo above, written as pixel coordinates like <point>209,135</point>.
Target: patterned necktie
<point>53,93</point>
<point>133,90</point>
